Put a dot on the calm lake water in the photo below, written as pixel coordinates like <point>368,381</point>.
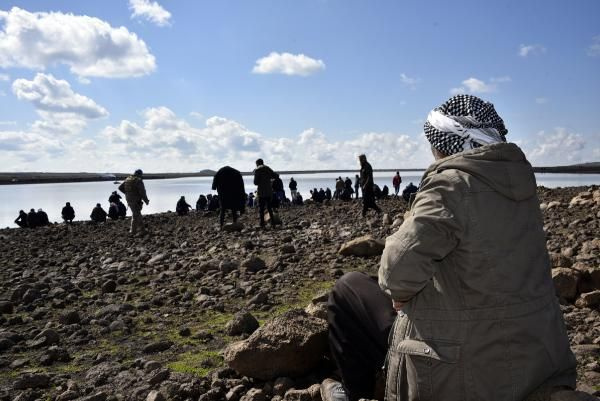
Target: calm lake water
<point>164,194</point>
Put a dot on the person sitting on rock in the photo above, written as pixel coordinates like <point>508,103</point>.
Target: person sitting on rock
<point>122,210</point>
<point>33,220</point>
<point>229,184</point>
<point>182,208</point>
<point>213,203</point>
<point>323,194</point>
<point>114,197</point>
<point>297,199</point>
<point>42,218</point>
<point>328,195</point>
<point>466,300</point>
<point>113,211</point>
<point>410,189</point>
<point>98,214</point>
<point>201,203</point>
<point>21,221</point>
<point>68,213</point>
<point>385,191</point>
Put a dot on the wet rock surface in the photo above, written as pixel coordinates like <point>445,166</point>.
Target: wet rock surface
<point>88,312</point>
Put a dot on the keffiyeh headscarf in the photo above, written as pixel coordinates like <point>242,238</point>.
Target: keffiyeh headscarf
<point>464,122</point>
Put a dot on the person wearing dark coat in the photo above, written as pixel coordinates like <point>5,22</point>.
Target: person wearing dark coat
<point>201,203</point>
<point>409,190</point>
<point>33,219</point>
<point>122,210</point>
<point>182,208</point>
<point>213,202</point>
<point>356,185</point>
<point>385,191</point>
<point>297,200</point>
<point>98,214</point>
<point>68,213</point>
<point>229,184</point>
<point>293,187</point>
<point>42,218</point>
<point>367,186</point>
<point>263,175</point>
<point>250,202</point>
<point>113,211</point>
<point>114,197</point>
<point>278,189</point>
<point>21,221</point>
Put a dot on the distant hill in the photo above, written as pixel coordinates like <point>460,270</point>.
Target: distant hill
<point>207,171</point>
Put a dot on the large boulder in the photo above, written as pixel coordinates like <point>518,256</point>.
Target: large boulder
<point>565,282</point>
<point>363,246</point>
<point>291,345</point>
<point>242,323</point>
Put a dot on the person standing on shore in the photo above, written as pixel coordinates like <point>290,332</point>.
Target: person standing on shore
<point>68,213</point>
<point>135,194</point>
<point>366,183</point>
<point>293,188</point>
<point>229,184</point>
<point>262,179</point>
<point>396,181</point>
<point>356,185</point>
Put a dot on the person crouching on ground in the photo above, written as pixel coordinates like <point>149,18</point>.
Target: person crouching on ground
<point>135,194</point>
<point>465,290</point>
<point>182,208</point>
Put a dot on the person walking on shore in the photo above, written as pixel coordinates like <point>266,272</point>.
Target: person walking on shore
<point>135,194</point>
<point>21,221</point>
<point>262,179</point>
<point>366,183</point>
<point>356,185</point>
<point>229,184</point>
<point>465,318</point>
<point>396,181</point>
<point>68,213</point>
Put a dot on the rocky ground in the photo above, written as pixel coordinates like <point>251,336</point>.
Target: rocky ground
<point>88,312</point>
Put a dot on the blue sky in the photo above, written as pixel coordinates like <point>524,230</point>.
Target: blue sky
<point>180,85</point>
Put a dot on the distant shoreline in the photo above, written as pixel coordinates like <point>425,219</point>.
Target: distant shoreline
<point>56,178</point>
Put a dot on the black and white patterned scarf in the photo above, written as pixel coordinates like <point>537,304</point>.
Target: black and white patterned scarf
<point>464,122</point>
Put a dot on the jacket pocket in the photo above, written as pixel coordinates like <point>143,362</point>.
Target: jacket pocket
<point>430,370</point>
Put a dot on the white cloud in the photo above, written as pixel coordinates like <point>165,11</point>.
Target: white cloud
<point>28,146</point>
<point>408,81</point>
<point>62,111</point>
<point>174,144</point>
<point>594,49</point>
<point>541,100</point>
<point>4,77</point>
<point>288,64</point>
<point>474,85</point>
<point>8,123</point>
<point>151,11</point>
<point>555,148</point>
<point>535,49</point>
<point>89,46</point>
<point>56,96</point>
<point>197,115</point>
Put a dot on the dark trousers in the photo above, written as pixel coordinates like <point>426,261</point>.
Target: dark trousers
<point>360,317</point>
<point>356,189</point>
<point>222,215</point>
<point>369,203</point>
<point>264,202</point>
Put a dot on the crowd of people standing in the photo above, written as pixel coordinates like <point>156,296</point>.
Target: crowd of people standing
<point>231,196</point>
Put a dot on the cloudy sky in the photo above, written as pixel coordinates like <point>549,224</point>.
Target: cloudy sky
<point>185,85</point>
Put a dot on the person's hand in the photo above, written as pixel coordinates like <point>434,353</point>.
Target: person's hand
<point>397,305</point>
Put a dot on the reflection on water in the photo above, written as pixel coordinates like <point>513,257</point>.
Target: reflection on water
<point>164,194</point>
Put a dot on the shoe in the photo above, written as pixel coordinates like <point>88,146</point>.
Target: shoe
<point>332,390</point>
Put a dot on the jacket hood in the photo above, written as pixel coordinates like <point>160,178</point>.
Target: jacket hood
<point>501,166</point>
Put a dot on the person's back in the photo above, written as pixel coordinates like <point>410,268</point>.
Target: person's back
<point>201,203</point>
<point>134,189</point>
<point>98,214</point>
<point>493,270</point>
<point>262,179</point>
<point>68,213</point>
<point>113,211</point>
<point>182,207</point>
<point>114,197</point>
<point>293,185</point>
<point>42,218</point>
<point>32,219</point>
<point>410,189</point>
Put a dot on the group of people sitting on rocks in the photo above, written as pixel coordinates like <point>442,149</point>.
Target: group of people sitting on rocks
<point>32,219</point>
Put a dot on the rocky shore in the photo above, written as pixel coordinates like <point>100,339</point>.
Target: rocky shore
<point>89,313</point>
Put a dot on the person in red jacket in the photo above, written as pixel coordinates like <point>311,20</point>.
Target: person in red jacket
<point>396,181</point>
